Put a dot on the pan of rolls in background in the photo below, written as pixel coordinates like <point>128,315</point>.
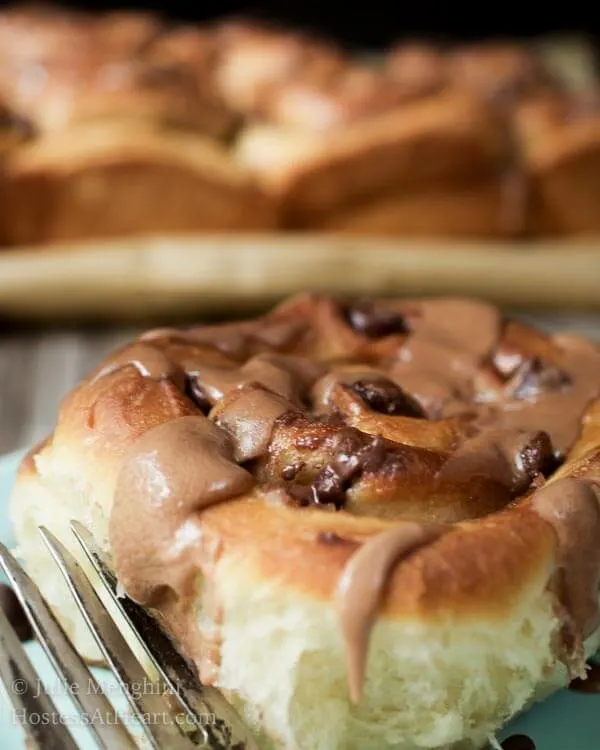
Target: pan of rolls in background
<point>156,166</point>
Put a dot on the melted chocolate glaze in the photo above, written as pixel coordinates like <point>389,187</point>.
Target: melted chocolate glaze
<point>354,455</point>
<point>535,377</point>
<point>385,397</point>
<point>374,320</point>
<point>511,458</point>
<point>198,394</point>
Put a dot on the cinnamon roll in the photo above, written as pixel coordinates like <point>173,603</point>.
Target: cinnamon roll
<point>374,524</point>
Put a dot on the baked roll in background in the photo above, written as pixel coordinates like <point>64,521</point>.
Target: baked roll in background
<point>426,139</point>
<point>114,179</point>
<point>560,142</point>
<point>442,146</point>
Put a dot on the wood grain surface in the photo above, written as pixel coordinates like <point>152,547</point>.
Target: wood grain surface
<point>138,279</point>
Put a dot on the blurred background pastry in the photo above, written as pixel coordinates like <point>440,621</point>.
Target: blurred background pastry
<point>248,125</point>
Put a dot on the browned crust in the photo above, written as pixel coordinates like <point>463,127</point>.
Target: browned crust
<point>471,571</point>
<point>481,209</point>
<point>560,142</point>
<point>59,68</point>
<point>438,141</point>
<point>111,179</point>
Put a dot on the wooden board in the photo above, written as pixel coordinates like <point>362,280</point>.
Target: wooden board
<point>160,278</point>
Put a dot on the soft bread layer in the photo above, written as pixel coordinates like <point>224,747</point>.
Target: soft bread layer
<point>450,678</point>
<point>435,684</point>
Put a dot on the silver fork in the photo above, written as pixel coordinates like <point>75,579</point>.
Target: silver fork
<point>176,712</point>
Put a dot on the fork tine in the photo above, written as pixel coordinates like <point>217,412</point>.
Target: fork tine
<point>89,698</point>
<point>228,728</point>
<point>24,690</point>
<point>153,710</point>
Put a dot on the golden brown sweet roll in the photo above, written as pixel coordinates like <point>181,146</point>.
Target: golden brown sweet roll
<point>31,32</point>
<point>559,139</point>
<point>190,45</point>
<point>499,72</point>
<point>89,67</point>
<point>167,94</point>
<point>192,52</point>
<point>419,69</point>
<point>325,463</point>
<point>127,30</point>
<point>112,71</point>
<point>42,50</point>
<point>41,33</point>
<point>296,81</point>
<point>376,405</point>
<point>13,131</point>
<point>109,180</point>
<point>356,93</point>
<point>439,146</point>
<point>479,210</point>
<point>254,64</point>
<point>238,478</point>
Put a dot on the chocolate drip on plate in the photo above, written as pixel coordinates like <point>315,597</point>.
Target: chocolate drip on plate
<point>518,742</point>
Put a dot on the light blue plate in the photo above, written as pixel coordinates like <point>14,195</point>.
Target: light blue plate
<point>567,721</point>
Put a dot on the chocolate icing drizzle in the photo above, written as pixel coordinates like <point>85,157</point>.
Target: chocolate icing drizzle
<point>422,361</point>
<point>174,471</point>
<point>362,586</point>
<point>572,507</point>
<point>375,321</point>
<point>513,458</point>
<point>385,397</point>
